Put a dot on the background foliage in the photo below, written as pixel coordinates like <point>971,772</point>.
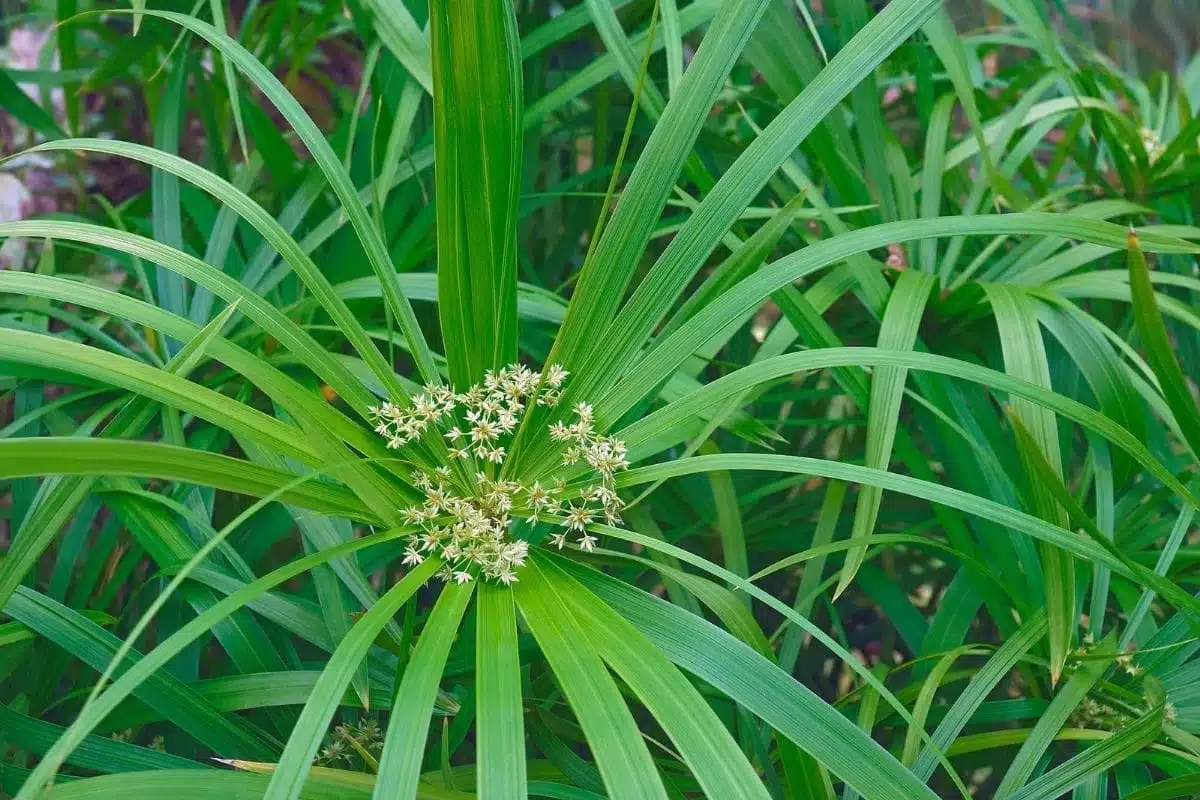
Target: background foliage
<point>896,307</point>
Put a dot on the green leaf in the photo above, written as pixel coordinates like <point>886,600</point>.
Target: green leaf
<point>1169,789</point>
<point>58,499</point>
<point>691,17</point>
<point>235,106</point>
<point>672,43</point>
<point>1055,716</point>
<point>898,332</point>
<point>869,127</point>
<point>608,26</point>
<point>408,725</point>
<point>602,283</point>
<point>170,696</point>
<point>253,305</point>
<point>478,142</point>
<point>1159,352</point>
<point>327,784</point>
<point>746,586</point>
<point>660,430</point>
<point>339,180</point>
<point>500,732</point>
<point>164,187</point>
<point>732,610</point>
<point>610,730</point>
<point>1096,758</point>
<point>70,455</point>
<point>248,691</point>
<point>981,685</point>
<point>94,753</point>
<point>56,353</point>
<point>931,177</point>
<point>742,261</point>
<point>320,533</point>
<point>929,688</point>
<point>668,354</point>
<point>241,636</point>
<point>173,585</point>
<point>729,519</point>
<point>948,45</point>
<point>1166,555</point>
<point>68,55</point>
<point>927,490</point>
<point>1101,368</point>
<point>404,38</point>
<point>827,518</point>
<point>275,235</point>
<point>659,290</point>
<point>179,784</point>
<point>1025,357</point>
<point>146,674</point>
<point>22,107</point>
<point>300,402</point>
<point>736,669</point>
<point>1041,471</point>
<point>706,746</point>
<point>291,772</point>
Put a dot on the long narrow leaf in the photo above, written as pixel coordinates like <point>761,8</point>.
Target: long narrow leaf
<point>292,770</point>
<point>477,136</point>
<point>408,725</point>
<point>898,332</point>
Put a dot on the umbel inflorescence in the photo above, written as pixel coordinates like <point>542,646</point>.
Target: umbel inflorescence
<point>467,513</point>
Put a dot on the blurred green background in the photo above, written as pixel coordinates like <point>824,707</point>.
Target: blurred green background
<point>1153,34</point>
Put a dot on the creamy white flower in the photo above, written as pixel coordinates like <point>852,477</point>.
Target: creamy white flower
<point>484,431</point>
<point>556,375</point>
<point>578,517</point>
<point>465,522</point>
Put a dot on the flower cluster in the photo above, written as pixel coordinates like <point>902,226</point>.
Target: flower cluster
<point>1112,716</point>
<point>1125,662</point>
<point>1152,144</point>
<point>605,455</point>
<point>491,410</point>
<point>352,743</point>
<point>465,531</point>
<point>1096,714</point>
<point>466,514</point>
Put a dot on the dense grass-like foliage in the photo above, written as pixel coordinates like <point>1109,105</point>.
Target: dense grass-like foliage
<point>731,398</point>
